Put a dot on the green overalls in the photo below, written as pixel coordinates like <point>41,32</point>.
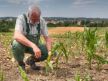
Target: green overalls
<point>19,49</point>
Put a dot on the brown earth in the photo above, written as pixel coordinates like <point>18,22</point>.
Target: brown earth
<point>65,71</point>
<point>10,70</point>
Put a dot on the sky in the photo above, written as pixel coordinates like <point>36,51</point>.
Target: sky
<point>57,8</point>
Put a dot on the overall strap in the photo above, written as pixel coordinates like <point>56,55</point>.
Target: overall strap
<point>38,28</point>
<point>27,25</point>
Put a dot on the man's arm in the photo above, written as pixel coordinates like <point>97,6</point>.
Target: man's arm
<point>44,32</point>
<point>18,36</point>
<point>48,42</point>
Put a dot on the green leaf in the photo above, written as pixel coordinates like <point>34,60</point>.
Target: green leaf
<point>23,74</point>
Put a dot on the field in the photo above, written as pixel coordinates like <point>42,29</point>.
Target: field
<point>60,30</point>
<point>81,55</point>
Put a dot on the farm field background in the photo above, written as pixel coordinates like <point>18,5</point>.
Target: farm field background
<point>77,65</point>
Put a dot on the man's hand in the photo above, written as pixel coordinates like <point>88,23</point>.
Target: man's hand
<point>37,51</point>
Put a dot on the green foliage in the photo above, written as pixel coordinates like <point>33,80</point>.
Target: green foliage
<point>51,25</point>
<point>1,75</point>
<point>49,65</point>
<point>23,74</point>
<point>90,40</point>
<point>85,78</point>
<point>5,26</point>
<point>101,59</point>
<point>106,39</point>
<point>77,77</point>
<point>61,51</point>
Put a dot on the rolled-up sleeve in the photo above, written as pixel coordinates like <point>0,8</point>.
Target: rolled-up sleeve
<point>19,24</point>
<point>44,29</point>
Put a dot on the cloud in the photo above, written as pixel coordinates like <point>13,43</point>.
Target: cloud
<point>24,1</point>
<point>83,2</point>
<point>33,1</point>
<point>14,1</point>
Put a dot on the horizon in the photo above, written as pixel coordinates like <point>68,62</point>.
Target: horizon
<point>61,17</point>
<point>57,8</point>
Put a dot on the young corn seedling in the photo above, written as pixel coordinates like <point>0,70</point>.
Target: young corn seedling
<point>84,78</point>
<point>106,43</point>
<point>90,39</point>
<point>49,65</point>
<point>101,60</point>
<point>78,78</point>
<point>60,49</point>
<point>106,39</point>
<point>23,74</point>
<point>78,40</point>
<point>1,76</point>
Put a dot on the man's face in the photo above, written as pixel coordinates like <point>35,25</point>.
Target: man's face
<point>34,17</point>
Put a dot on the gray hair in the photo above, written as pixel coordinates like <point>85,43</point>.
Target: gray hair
<point>34,8</point>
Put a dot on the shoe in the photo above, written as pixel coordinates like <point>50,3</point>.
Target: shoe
<point>34,67</point>
<point>22,65</point>
<point>23,68</point>
<point>31,62</point>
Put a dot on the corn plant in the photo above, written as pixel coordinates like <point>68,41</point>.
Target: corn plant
<point>23,74</point>
<point>106,43</point>
<point>1,76</point>
<point>106,39</point>
<point>77,77</point>
<point>79,41</point>
<point>100,60</point>
<point>85,78</point>
<point>49,65</point>
<point>90,39</point>
<point>61,51</point>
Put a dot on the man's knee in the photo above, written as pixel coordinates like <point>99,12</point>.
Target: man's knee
<point>44,57</point>
<point>18,50</point>
<point>44,54</point>
<point>17,46</point>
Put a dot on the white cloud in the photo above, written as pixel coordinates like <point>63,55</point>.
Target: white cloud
<point>24,1</point>
<point>14,1</point>
<point>83,2</point>
<point>33,1</point>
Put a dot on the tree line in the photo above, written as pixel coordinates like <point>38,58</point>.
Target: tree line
<point>6,25</point>
<point>80,23</point>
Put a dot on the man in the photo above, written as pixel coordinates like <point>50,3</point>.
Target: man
<point>27,33</point>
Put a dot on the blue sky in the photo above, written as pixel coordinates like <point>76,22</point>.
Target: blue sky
<point>57,8</point>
